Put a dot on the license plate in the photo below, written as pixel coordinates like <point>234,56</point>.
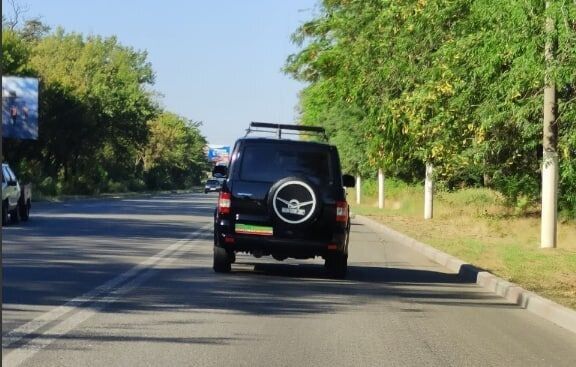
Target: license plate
<point>253,229</point>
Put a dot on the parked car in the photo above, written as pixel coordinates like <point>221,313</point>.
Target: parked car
<point>283,198</point>
<point>212,185</point>
<point>16,198</point>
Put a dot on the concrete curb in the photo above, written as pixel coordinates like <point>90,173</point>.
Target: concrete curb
<point>551,311</point>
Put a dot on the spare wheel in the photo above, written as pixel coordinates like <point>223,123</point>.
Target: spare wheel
<point>294,201</point>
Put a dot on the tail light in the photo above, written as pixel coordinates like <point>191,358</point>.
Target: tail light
<point>342,211</point>
<point>224,203</point>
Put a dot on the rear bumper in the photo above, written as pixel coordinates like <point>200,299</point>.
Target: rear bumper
<point>286,247</point>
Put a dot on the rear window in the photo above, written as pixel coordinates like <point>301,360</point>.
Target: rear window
<point>212,182</point>
<point>269,163</point>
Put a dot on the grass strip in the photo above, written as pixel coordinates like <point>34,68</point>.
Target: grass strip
<point>475,226</point>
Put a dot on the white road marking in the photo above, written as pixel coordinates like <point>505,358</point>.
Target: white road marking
<point>98,298</point>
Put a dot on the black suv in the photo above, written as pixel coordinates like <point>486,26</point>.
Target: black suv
<point>284,198</point>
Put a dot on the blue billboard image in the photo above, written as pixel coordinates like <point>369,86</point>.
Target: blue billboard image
<point>19,107</point>
<point>219,154</point>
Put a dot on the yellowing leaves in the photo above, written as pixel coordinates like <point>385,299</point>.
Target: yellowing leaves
<point>437,150</point>
<point>445,88</point>
<point>480,136</point>
<point>420,6</point>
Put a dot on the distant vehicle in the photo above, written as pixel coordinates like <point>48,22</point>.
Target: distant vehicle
<point>16,198</point>
<point>216,173</point>
<point>283,198</point>
<point>212,185</point>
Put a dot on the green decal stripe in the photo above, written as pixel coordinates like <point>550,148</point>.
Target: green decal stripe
<point>248,228</point>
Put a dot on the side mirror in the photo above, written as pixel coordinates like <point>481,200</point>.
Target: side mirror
<point>220,171</point>
<point>348,181</point>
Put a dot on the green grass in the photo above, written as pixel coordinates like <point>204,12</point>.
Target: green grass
<point>475,226</point>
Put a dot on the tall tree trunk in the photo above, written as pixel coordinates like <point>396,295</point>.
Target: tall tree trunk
<point>549,145</point>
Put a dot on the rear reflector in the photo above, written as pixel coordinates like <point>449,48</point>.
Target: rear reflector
<point>332,246</point>
<point>229,239</point>
<point>224,203</point>
<point>341,211</point>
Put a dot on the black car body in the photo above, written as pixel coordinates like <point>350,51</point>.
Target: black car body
<point>283,198</point>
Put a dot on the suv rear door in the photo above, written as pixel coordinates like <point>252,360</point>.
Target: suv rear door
<point>263,163</point>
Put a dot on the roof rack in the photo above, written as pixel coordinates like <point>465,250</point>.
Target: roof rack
<point>278,129</point>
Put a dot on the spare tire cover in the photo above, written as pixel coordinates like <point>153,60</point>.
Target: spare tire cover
<point>294,201</point>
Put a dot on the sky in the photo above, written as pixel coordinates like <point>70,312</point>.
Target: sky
<point>216,61</point>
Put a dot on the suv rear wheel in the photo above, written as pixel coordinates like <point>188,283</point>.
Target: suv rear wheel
<point>222,260</point>
<point>337,265</point>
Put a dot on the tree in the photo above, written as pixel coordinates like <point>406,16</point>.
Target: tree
<point>97,114</point>
<point>174,156</point>
<point>94,106</point>
<point>12,22</point>
<point>15,53</point>
<point>33,30</point>
<point>457,83</point>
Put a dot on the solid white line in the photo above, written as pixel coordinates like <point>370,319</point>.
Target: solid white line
<point>32,326</point>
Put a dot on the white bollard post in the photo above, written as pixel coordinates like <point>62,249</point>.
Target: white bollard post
<point>549,200</point>
<point>358,189</point>
<point>428,192</point>
<point>380,188</point>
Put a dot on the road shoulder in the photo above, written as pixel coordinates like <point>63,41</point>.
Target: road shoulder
<point>532,302</point>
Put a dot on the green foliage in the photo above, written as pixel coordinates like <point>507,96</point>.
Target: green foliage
<point>393,188</point>
<point>15,53</point>
<point>370,187</point>
<point>174,156</point>
<point>95,107</point>
<point>457,83</point>
<point>99,121</point>
<point>33,30</point>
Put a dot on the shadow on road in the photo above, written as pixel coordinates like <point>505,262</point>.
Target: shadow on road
<point>297,290</point>
<point>78,254</point>
<point>66,249</point>
<point>283,290</point>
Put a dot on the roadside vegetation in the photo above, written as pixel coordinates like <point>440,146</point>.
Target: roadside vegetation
<point>101,126</point>
<point>477,226</point>
<point>456,83</point>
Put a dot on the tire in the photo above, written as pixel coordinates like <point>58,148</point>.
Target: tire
<point>15,215</point>
<point>4,213</point>
<point>25,211</point>
<point>298,191</point>
<point>337,265</point>
<point>222,261</point>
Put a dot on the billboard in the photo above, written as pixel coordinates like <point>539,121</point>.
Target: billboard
<point>219,154</point>
<point>19,107</point>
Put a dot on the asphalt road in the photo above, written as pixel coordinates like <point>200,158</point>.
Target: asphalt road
<point>129,283</point>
